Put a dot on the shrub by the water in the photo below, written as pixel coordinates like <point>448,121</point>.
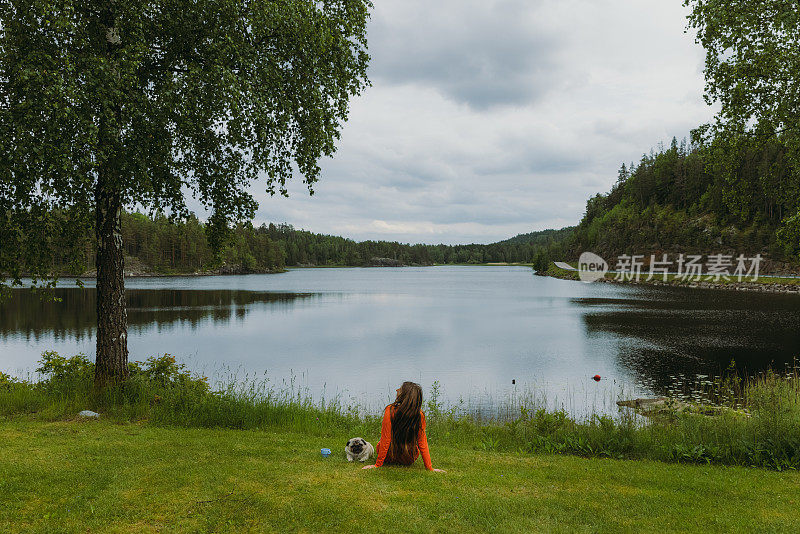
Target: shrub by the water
<point>763,430</point>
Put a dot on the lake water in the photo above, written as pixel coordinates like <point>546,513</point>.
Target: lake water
<point>357,333</point>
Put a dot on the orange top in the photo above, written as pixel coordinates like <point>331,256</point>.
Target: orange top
<point>386,440</point>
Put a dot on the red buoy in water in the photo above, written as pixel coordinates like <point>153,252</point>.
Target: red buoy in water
<point>596,378</point>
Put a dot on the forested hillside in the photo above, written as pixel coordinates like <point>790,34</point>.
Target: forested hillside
<point>736,187</point>
<point>165,246</point>
<point>705,198</point>
<point>541,238</point>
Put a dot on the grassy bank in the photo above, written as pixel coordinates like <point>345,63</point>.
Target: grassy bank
<point>72,476</point>
<point>761,427</point>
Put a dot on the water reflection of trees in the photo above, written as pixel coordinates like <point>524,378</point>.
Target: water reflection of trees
<point>25,313</point>
<point>663,334</point>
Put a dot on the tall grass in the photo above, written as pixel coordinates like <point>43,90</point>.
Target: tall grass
<point>162,391</point>
<point>764,430</point>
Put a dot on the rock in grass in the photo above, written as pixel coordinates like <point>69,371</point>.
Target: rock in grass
<point>88,414</point>
<point>664,407</point>
<point>650,404</point>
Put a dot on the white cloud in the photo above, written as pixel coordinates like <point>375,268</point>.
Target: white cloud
<point>492,118</point>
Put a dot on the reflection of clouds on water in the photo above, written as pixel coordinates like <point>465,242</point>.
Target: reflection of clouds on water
<point>356,334</point>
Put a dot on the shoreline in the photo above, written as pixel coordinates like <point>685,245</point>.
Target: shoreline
<point>150,274</point>
<point>763,285</point>
<point>175,275</point>
<point>296,267</point>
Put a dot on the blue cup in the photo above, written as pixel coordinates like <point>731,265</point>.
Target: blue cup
<point>325,452</point>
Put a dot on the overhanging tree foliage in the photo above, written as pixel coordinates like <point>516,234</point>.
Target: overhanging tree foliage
<point>752,60</point>
<point>753,72</point>
<point>113,104</point>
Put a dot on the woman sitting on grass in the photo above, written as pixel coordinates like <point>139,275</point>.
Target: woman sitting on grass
<point>403,436</point>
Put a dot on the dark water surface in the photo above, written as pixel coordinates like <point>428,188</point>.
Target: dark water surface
<point>358,333</point>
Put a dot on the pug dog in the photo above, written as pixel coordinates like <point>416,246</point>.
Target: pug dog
<point>358,449</point>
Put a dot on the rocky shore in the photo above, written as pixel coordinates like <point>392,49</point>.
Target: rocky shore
<point>134,268</point>
<point>764,285</point>
<point>665,407</point>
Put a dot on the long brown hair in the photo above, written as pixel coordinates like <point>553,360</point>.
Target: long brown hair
<point>406,420</point>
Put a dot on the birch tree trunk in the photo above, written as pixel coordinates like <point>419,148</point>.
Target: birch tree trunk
<point>111,362</point>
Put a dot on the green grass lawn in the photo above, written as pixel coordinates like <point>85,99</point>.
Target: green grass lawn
<point>92,476</point>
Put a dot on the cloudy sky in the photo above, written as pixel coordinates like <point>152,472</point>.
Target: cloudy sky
<point>491,118</point>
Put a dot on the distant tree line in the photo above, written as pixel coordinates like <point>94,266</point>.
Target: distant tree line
<point>160,244</point>
<point>304,248</point>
